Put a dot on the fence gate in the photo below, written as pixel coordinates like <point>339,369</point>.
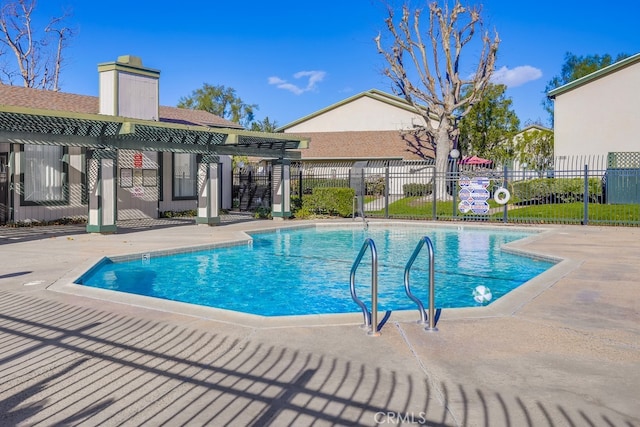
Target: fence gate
<point>623,178</point>
<point>251,186</point>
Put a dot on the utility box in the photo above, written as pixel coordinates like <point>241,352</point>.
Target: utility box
<point>622,179</point>
<point>356,181</point>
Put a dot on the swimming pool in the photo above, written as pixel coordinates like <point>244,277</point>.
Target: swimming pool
<point>294,271</point>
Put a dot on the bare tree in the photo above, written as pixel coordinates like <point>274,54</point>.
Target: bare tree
<point>38,58</point>
<point>426,70</point>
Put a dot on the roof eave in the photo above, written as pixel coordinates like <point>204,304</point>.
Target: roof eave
<point>372,93</point>
<point>593,76</point>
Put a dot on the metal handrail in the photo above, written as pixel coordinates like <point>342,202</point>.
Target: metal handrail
<point>370,318</point>
<point>430,319</point>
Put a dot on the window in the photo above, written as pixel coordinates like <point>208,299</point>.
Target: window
<point>185,173</point>
<point>44,176</point>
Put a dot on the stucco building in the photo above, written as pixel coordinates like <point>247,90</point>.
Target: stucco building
<point>121,155</point>
<point>599,113</point>
<point>366,126</point>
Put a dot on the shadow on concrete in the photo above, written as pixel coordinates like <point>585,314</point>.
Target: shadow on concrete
<point>62,365</point>
<point>16,274</point>
<point>10,234</point>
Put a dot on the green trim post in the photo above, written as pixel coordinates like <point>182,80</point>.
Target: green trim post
<point>208,189</point>
<point>281,189</point>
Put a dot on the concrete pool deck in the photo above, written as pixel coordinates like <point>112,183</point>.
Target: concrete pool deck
<point>563,350</point>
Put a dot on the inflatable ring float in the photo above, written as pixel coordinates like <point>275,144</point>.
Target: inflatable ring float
<point>501,196</point>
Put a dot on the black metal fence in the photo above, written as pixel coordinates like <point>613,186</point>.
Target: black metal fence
<point>598,190</point>
<point>251,187</point>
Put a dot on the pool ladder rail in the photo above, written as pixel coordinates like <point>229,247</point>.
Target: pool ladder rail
<point>371,317</point>
<point>430,319</point>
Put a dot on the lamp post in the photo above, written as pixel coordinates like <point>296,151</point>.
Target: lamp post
<point>453,155</point>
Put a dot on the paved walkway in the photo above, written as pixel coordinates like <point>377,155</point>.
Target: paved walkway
<point>562,351</point>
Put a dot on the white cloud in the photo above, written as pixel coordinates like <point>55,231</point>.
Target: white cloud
<point>314,77</point>
<point>516,76</point>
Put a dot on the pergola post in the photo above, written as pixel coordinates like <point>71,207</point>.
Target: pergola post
<point>208,190</point>
<point>101,181</point>
<point>281,189</point>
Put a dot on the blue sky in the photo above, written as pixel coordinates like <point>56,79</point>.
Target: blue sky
<point>292,58</point>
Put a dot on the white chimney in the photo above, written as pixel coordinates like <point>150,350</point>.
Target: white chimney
<point>128,89</point>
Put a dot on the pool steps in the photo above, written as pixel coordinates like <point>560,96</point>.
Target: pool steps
<point>371,317</point>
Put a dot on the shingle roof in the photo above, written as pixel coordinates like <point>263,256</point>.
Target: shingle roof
<point>357,145</point>
<point>60,101</point>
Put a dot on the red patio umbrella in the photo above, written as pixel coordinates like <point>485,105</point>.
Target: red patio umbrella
<point>475,160</point>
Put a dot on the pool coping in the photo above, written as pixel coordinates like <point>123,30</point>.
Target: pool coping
<point>506,305</point>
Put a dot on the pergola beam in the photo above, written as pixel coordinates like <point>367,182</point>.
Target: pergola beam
<point>47,127</point>
<point>16,137</point>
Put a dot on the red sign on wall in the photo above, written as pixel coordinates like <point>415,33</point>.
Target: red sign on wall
<point>137,160</point>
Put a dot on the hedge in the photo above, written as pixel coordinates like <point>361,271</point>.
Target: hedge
<point>556,190</point>
<point>330,200</point>
<point>309,184</point>
<point>416,189</point>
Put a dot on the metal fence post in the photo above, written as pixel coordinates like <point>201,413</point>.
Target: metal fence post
<point>300,189</point>
<point>434,193</point>
<point>505,181</point>
<point>585,219</point>
<point>386,190</point>
<point>363,189</point>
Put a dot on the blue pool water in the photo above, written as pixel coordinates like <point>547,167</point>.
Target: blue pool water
<point>307,270</point>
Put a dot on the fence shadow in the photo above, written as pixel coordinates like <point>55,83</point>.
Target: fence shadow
<point>61,365</point>
<point>9,234</point>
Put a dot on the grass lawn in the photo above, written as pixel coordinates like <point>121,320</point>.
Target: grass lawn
<point>422,208</point>
<point>574,212</point>
<point>416,207</point>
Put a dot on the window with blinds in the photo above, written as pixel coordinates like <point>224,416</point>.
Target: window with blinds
<point>44,177</point>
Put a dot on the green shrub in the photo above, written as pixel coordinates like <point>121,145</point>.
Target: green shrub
<point>331,201</point>
<point>178,214</point>
<point>311,183</point>
<point>262,213</point>
<point>303,213</point>
<point>556,190</point>
<point>415,189</point>
<point>296,204</point>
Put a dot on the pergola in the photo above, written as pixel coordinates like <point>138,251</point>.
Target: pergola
<point>104,135</point>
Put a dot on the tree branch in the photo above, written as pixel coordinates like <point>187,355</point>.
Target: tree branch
<point>36,65</point>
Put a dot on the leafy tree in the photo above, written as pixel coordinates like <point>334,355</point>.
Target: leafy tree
<point>265,125</point>
<point>426,69</point>
<point>221,101</point>
<point>236,161</point>
<point>534,147</point>
<point>489,127</point>
<point>575,67</point>
<point>37,55</point>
